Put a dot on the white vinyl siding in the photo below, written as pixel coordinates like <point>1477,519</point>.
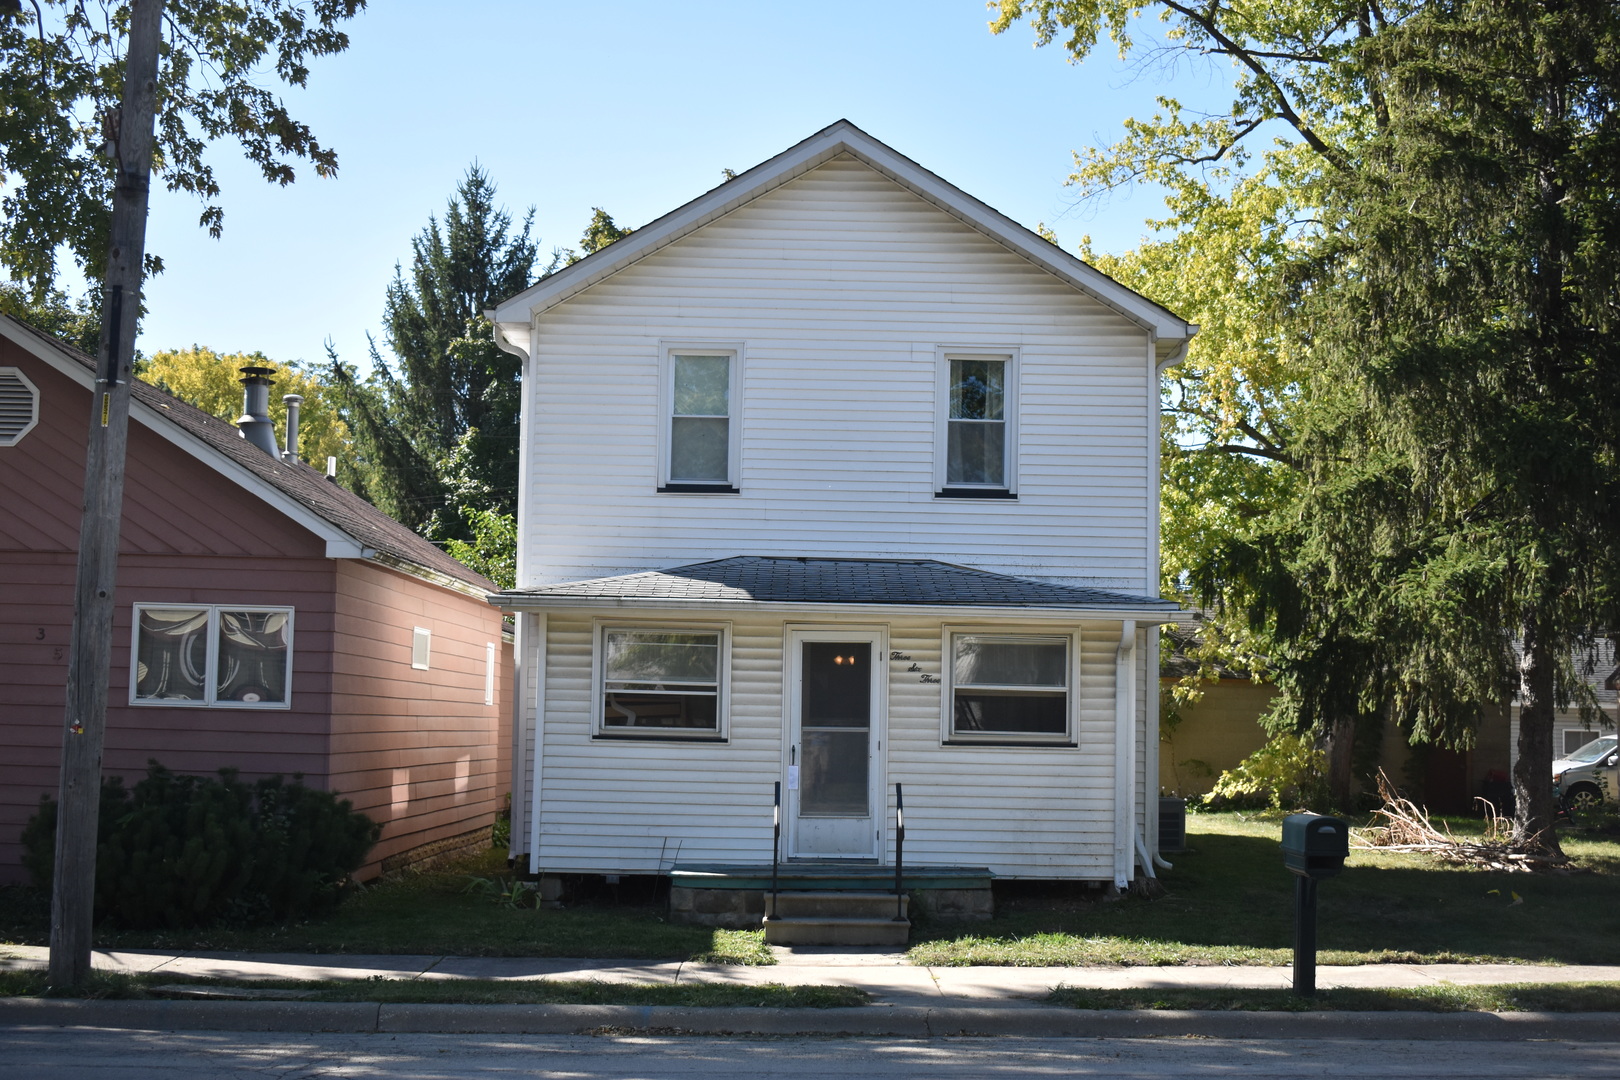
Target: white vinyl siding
<point>844,288</point>
<point>632,807</point>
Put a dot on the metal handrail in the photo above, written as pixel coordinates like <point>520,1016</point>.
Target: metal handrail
<point>899,854</point>
<point>776,845</point>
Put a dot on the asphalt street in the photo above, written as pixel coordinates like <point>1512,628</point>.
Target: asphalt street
<point>41,1053</point>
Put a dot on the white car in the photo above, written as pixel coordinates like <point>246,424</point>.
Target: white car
<point>1589,776</point>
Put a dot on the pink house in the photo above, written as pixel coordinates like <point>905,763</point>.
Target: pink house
<point>267,620</point>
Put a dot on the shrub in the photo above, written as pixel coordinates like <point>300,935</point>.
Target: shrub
<point>181,851</point>
<point>1286,772</point>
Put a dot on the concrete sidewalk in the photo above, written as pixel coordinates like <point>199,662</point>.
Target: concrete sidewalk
<point>886,975</point>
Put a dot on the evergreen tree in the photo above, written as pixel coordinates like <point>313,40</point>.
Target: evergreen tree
<point>598,234</point>
<point>453,402</point>
<point>1462,432</point>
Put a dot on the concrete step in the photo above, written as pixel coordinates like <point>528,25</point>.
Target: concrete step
<point>818,904</point>
<point>830,930</point>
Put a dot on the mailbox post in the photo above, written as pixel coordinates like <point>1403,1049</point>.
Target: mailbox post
<point>1314,847</point>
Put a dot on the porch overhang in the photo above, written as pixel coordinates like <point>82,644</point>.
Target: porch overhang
<point>848,587</point>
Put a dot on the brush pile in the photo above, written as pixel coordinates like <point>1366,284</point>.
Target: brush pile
<point>1406,827</point>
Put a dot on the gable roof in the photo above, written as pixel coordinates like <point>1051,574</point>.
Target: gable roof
<point>776,580</point>
<point>351,527</point>
<point>514,317</point>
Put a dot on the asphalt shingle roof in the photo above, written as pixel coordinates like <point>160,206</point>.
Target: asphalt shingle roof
<point>324,498</point>
<point>766,579</point>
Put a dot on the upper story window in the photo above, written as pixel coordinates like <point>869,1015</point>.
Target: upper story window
<point>662,683</point>
<point>19,406</point>
<point>224,656</point>
<point>699,449</point>
<point>1010,688</point>
<point>977,432</point>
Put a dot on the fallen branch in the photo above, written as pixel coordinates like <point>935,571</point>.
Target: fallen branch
<point>1406,828</point>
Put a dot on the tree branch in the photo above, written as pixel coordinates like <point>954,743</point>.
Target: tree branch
<point>1206,21</point>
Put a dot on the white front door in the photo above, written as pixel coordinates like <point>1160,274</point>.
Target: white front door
<point>835,693</point>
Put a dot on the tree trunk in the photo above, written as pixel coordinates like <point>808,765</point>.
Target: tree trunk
<point>1341,751</point>
<point>1533,808</point>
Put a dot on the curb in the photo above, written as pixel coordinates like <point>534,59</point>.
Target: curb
<point>909,1021</point>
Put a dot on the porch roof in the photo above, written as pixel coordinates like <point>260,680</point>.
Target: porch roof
<point>757,579</point>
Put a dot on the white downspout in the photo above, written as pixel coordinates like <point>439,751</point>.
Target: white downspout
<point>537,680</point>
<point>1124,752</point>
<point>1147,841</point>
<point>517,781</point>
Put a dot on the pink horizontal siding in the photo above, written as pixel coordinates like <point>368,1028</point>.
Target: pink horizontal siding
<point>417,750</point>
<point>192,536</point>
<point>189,536</point>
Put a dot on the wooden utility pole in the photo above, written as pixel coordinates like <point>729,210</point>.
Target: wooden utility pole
<point>79,797</point>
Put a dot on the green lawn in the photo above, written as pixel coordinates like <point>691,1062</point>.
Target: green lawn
<point>1520,997</point>
<point>1229,901</point>
<point>432,913</point>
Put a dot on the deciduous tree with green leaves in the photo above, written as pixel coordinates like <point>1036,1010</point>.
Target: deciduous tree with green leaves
<point>1244,200</point>
<point>61,77</point>
<point>212,381</point>
<point>1445,315</point>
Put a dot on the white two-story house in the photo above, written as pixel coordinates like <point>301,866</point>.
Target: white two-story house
<point>837,479</point>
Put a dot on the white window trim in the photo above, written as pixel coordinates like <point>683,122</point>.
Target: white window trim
<point>425,636</point>
<point>722,708</point>
<point>489,673</point>
<point>667,351</point>
<point>942,415</point>
<point>947,694</point>
<point>33,417</point>
<point>211,677</point>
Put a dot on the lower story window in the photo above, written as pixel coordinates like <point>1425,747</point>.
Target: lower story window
<point>220,655</point>
<point>1010,687</point>
<point>661,682</point>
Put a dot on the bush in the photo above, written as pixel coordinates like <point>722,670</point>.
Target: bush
<point>1286,772</point>
<point>181,851</point>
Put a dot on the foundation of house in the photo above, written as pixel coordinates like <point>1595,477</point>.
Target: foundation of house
<point>736,897</point>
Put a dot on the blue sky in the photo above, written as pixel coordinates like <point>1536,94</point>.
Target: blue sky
<point>635,107</point>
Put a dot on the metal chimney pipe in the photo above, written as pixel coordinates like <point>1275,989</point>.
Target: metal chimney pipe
<point>255,422</point>
<point>292,401</point>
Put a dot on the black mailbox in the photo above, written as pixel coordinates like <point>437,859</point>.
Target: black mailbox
<point>1315,846</point>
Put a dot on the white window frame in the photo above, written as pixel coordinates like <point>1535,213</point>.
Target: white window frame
<point>211,675</point>
<point>1068,739</point>
<point>942,419</point>
<point>722,707</point>
<point>423,637</point>
<point>33,416</point>
<point>668,351</point>
<point>489,673</point>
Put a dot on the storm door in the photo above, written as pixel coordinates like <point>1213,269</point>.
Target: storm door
<point>834,792</point>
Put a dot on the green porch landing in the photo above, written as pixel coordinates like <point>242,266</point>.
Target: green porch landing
<point>797,876</point>
<point>733,895</point>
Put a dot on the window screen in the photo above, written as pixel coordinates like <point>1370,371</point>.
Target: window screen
<point>1009,686</point>
<point>659,680</point>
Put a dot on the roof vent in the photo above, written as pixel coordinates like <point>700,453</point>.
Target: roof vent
<point>292,401</point>
<point>19,406</point>
<point>257,428</point>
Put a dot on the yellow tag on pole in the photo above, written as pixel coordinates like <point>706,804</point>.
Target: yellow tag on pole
<point>106,407</point>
